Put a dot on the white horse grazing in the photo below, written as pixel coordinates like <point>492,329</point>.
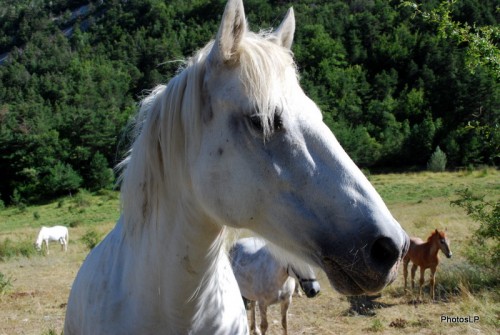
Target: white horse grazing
<point>48,234</point>
<point>265,280</point>
<point>232,140</point>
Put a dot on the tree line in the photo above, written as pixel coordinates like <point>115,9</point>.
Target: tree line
<point>389,87</point>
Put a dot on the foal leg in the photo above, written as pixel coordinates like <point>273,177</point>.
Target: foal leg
<point>433,281</point>
<point>421,282</point>
<point>263,318</point>
<point>253,329</point>
<point>413,270</point>
<point>405,270</point>
<point>47,246</point>
<point>285,304</point>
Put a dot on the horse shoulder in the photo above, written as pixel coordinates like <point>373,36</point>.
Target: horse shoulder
<point>421,254</point>
<point>99,292</point>
<point>222,310</point>
<point>416,252</point>
<point>415,242</point>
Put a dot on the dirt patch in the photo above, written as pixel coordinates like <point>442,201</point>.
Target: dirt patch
<point>19,295</point>
<point>399,323</point>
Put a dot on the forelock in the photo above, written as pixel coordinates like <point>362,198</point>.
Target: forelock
<point>264,66</point>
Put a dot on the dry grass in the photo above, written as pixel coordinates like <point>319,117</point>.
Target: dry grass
<point>40,285</point>
<point>393,313</point>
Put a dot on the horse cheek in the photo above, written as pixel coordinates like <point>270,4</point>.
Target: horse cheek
<point>213,186</point>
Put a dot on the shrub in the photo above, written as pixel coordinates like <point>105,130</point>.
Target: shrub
<point>5,283</point>
<point>50,332</point>
<point>6,249</point>
<point>16,198</point>
<point>484,247</point>
<point>437,162</point>
<point>100,175</point>
<point>9,249</point>
<point>91,238</point>
<point>377,326</point>
<point>25,248</point>
<point>61,179</point>
<point>452,278</point>
<point>82,199</point>
<point>75,223</point>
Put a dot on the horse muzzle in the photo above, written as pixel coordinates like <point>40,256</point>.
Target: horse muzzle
<point>311,288</point>
<point>369,269</point>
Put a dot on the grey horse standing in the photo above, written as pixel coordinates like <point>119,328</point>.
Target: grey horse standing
<point>264,280</point>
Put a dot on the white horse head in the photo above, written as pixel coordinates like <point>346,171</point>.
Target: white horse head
<point>266,161</point>
<point>306,279</point>
<point>232,140</point>
<point>38,242</point>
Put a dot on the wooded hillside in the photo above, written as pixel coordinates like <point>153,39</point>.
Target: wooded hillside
<point>389,87</point>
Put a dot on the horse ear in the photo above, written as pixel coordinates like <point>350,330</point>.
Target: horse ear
<point>285,32</point>
<point>232,28</point>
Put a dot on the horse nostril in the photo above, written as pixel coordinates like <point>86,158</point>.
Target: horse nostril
<point>384,253</point>
<point>312,293</point>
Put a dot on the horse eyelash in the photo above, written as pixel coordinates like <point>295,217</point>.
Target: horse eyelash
<point>277,122</point>
<point>256,122</point>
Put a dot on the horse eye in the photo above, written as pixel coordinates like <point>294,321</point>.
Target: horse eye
<point>256,122</point>
<point>442,241</point>
<point>277,122</point>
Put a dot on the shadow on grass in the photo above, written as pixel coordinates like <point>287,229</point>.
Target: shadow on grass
<point>365,305</point>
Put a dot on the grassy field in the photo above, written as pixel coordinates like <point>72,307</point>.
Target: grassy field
<point>37,286</point>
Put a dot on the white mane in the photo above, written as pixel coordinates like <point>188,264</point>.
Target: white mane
<point>167,121</point>
<point>258,67</point>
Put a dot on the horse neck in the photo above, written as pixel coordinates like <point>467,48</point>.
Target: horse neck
<point>180,250</point>
<point>40,237</point>
<point>283,273</point>
<point>433,248</point>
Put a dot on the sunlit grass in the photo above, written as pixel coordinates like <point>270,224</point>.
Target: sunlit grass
<point>411,188</point>
<point>39,285</point>
<point>81,208</point>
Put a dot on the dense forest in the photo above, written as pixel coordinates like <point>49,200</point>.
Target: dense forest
<point>390,89</point>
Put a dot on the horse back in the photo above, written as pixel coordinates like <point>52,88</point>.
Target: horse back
<point>418,253</point>
<point>413,250</point>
